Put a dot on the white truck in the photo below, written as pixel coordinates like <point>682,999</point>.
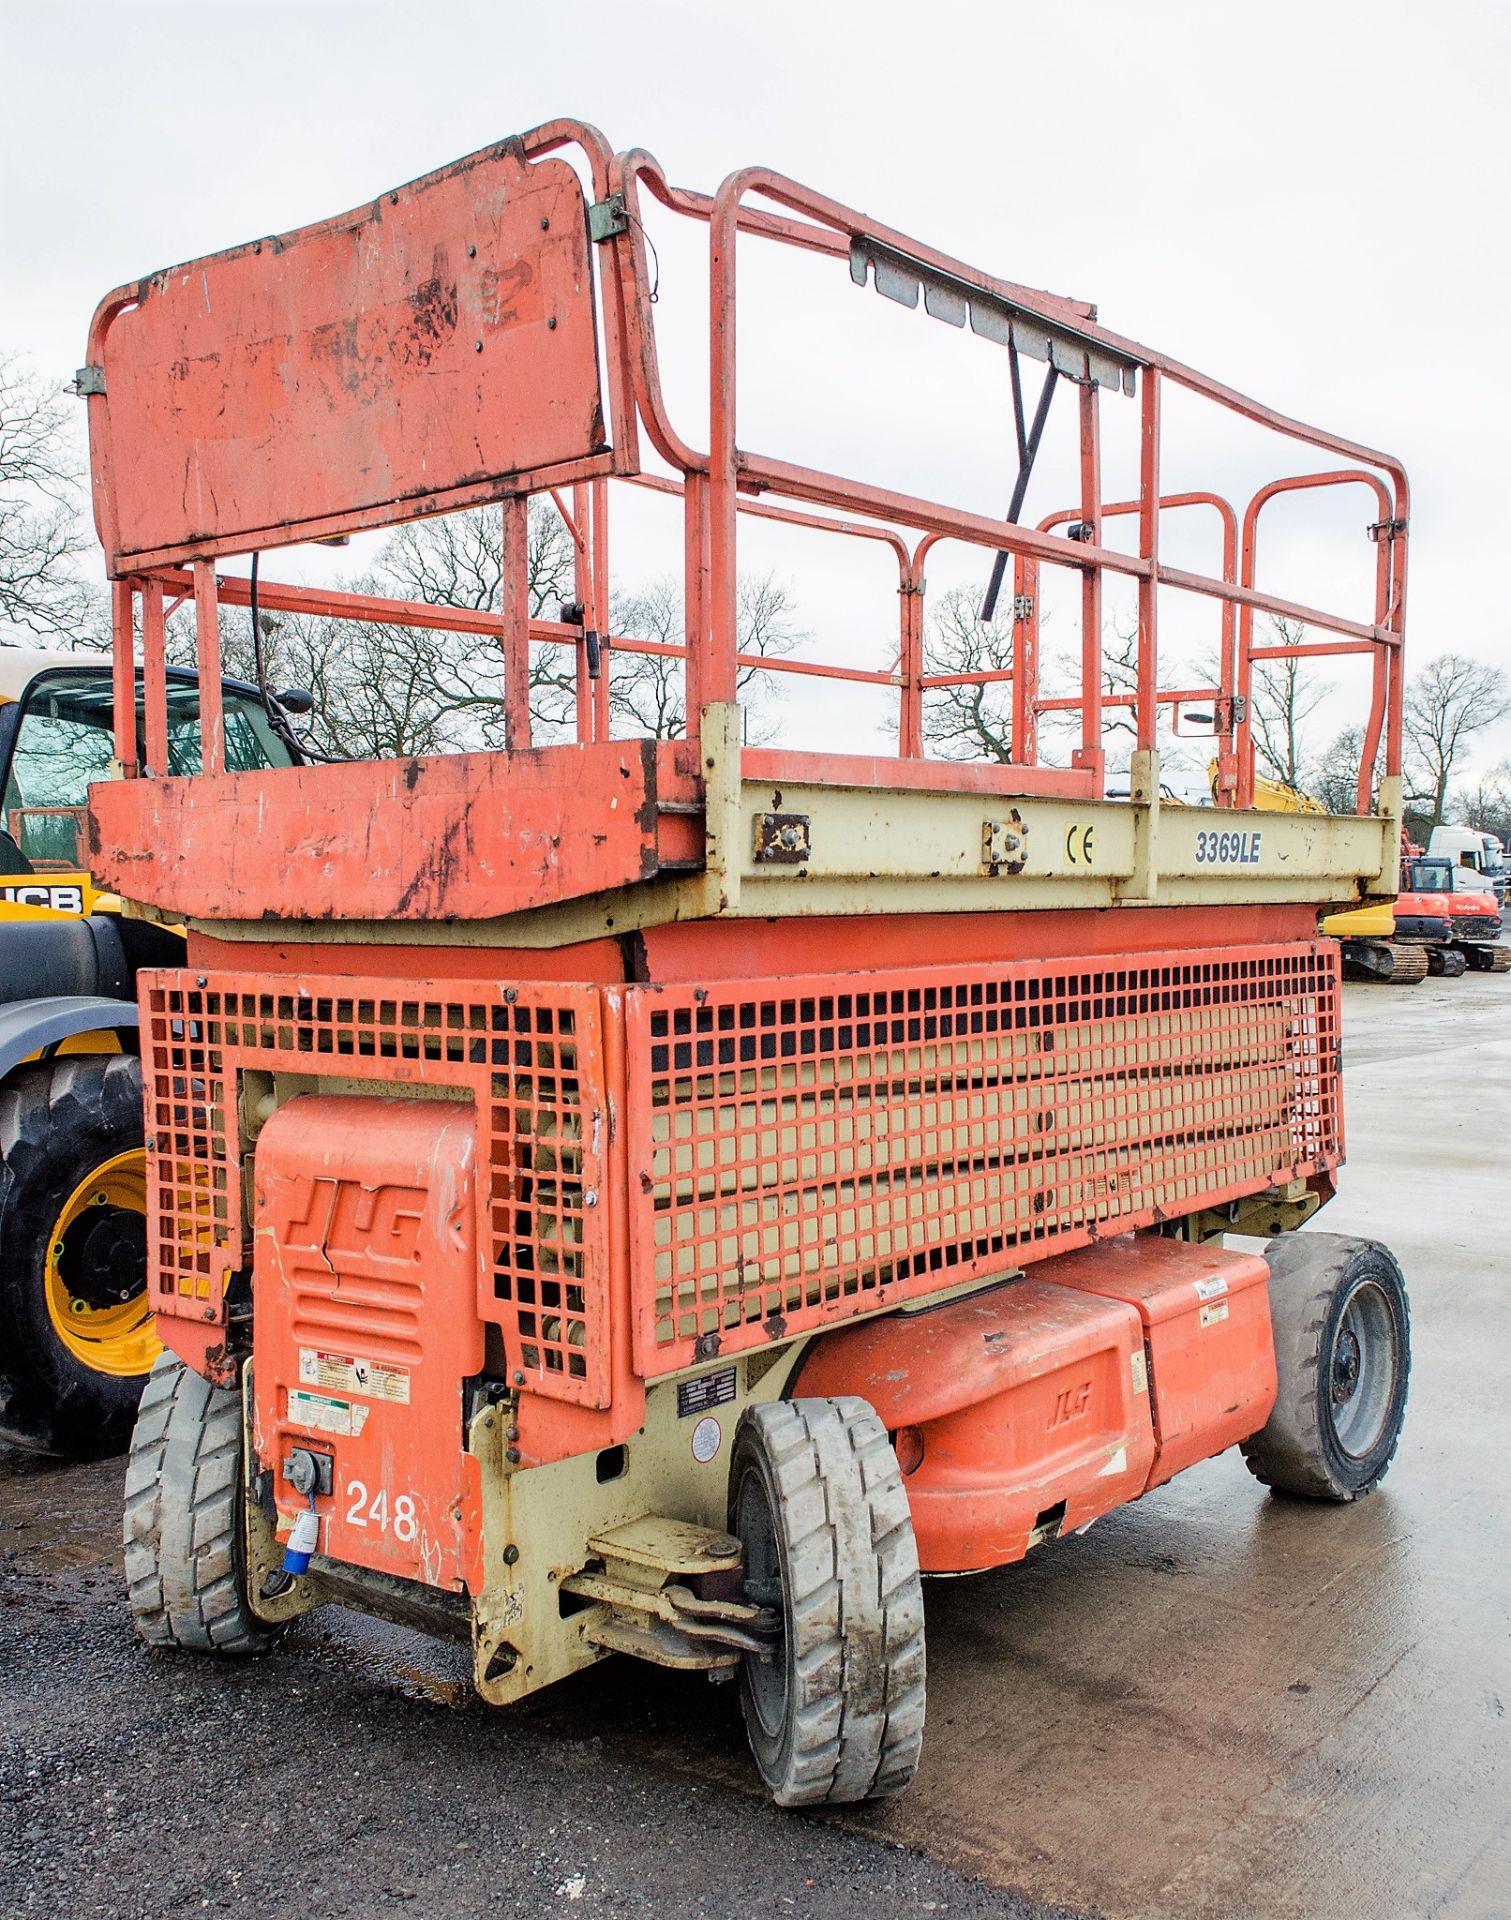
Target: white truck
<point>1480,853</point>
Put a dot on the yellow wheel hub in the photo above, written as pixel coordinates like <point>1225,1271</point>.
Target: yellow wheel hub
<point>118,1338</point>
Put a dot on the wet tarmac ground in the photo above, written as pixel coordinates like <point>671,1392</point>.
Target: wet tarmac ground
<point>1215,1703</point>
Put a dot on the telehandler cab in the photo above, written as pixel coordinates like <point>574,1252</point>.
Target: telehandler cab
<point>664,1197</point>
<point>77,1337</point>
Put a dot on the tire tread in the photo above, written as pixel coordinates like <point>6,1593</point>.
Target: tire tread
<point>1289,1453</point>
<point>853,1579</point>
<point>181,1527</point>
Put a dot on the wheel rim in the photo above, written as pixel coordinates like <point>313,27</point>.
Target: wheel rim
<point>766,1681</point>
<point>96,1277</point>
<point>1362,1369</point>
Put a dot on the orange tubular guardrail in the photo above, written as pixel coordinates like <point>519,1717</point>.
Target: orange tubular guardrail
<point>161,554</point>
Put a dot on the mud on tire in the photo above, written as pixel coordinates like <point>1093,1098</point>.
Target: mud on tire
<point>185,1560</point>
<point>818,1501</point>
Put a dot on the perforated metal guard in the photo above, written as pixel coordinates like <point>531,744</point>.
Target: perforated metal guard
<point>807,1149</point>
<point>797,1152</point>
<point>531,1059</point>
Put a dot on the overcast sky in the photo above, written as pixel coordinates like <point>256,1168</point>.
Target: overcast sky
<point>1309,201</point>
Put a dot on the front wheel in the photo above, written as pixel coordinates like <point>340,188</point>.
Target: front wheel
<point>1343,1355</point>
<point>186,1563</point>
<point>835,1711</point>
<point>76,1333</point>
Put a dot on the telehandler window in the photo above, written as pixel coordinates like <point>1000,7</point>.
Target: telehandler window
<point>64,740</point>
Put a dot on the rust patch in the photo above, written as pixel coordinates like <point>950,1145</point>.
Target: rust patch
<point>434,307</point>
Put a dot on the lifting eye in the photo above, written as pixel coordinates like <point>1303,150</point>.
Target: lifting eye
<point>907,1444</point>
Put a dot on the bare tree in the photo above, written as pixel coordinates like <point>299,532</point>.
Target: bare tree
<point>41,534</point>
<point>647,690</point>
<point>1284,695</point>
<point>1486,805</point>
<point>972,722</point>
<point>1451,700</point>
<point>1334,778</point>
<point>383,690</point>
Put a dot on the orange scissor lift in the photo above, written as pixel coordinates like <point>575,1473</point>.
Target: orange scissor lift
<point>661,1197</point>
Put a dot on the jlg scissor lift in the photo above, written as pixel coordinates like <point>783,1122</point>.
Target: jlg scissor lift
<point>661,1197</point>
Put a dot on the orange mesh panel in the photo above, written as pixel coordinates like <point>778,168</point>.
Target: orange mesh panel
<point>804,1149</point>
<point>531,1058</point>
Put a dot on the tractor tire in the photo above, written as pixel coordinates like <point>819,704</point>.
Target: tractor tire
<point>1446,961</point>
<point>183,1534</point>
<point>817,1499</point>
<point>1343,1354</point>
<point>76,1338</point>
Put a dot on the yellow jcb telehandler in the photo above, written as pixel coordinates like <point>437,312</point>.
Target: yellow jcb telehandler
<point>76,1333</point>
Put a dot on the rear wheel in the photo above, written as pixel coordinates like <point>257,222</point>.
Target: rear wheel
<point>76,1334</point>
<point>1343,1354</point>
<point>836,1712</point>
<point>185,1545</point>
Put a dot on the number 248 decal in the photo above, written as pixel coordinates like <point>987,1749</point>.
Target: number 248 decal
<point>362,1512</point>
<point>1228,849</point>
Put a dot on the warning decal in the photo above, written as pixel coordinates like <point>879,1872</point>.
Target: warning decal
<point>350,1373</point>
<point>326,1415</point>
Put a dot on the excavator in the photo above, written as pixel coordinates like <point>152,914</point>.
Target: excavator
<point>1474,911</point>
<point>1399,942</point>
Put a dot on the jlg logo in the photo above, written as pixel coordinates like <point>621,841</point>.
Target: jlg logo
<point>1070,1404</point>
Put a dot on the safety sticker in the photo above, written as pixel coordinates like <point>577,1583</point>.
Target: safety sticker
<point>708,1390</point>
<point>1209,1316</point>
<point>1210,1288</point>
<point>1140,1370</point>
<point>325,1415</point>
<point>708,1435</point>
<point>350,1373</point>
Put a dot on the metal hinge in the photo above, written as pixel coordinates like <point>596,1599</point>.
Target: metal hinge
<point>89,380</point>
<point>606,218</point>
<point>1386,529</point>
<point>1023,606</point>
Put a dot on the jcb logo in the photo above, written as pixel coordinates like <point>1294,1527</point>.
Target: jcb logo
<point>60,899</point>
<point>1070,1404</point>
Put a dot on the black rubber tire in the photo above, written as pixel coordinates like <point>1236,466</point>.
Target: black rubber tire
<point>1319,1285</point>
<point>845,1722</point>
<point>185,1560</point>
<point>57,1120</point>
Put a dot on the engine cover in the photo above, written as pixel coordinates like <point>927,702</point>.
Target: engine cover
<point>365,1326</point>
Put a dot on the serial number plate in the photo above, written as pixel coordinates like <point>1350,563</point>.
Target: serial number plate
<point>1231,849</point>
<point>708,1390</point>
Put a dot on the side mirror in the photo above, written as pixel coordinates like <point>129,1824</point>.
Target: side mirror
<point>296,700</point>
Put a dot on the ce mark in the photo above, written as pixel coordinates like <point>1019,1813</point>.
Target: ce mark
<point>1079,849</point>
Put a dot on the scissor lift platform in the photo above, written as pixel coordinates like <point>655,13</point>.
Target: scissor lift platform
<point>642,1191</point>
